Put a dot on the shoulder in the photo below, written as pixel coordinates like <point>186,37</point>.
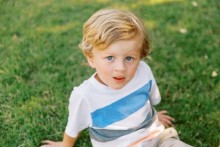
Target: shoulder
<point>144,66</point>
<point>83,90</point>
<point>77,90</point>
<point>144,70</point>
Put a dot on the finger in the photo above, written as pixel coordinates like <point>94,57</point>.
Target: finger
<point>164,116</point>
<point>47,142</point>
<point>163,112</point>
<point>168,120</point>
<point>170,123</point>
<point>167,123</point>
<point>44,146</point>
<point>168,117</point>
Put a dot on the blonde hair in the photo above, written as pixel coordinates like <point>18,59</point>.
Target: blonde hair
<point>110,25</point>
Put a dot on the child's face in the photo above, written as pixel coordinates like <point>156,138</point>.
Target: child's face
<point>117,64</point>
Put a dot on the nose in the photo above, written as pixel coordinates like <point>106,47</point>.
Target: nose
<point>120,66</point>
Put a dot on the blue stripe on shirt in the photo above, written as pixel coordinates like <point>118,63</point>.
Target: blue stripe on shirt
<point>122,108</point>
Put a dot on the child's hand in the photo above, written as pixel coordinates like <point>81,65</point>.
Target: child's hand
<point>48,143</point>
<point>165,119</point>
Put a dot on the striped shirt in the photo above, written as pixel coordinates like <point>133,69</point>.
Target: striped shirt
<point>121,117</point>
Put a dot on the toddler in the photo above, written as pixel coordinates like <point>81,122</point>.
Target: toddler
<point>116,102</point>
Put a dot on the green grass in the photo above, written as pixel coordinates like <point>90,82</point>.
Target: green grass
<point>40,63</point>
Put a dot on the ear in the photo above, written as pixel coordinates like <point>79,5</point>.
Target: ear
<point>90,60</point>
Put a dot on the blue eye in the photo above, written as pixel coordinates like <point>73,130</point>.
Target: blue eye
<point>129,58</point>
<point>109,58</point>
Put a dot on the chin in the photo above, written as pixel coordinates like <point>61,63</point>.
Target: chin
<point>117,87</point>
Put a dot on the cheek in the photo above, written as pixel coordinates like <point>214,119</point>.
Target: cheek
<point>132,71</point>
<point>103,69</point>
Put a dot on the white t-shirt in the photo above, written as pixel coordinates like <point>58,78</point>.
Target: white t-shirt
<point>98,106</point>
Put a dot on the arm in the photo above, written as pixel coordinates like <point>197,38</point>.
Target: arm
<point>67,142</point>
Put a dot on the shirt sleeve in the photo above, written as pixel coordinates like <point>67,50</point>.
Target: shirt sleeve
<point>79,117</point>
<point>155,97</point>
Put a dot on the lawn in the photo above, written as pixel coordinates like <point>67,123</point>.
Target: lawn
<point>40,63</point>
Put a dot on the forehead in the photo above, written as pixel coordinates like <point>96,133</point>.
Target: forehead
<point>132,45</point>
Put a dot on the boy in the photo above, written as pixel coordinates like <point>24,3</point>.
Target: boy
<point>115,103</point>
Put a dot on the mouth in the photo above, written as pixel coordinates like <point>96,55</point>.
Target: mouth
<point>119,78</point>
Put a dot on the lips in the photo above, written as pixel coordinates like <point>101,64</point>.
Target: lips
<point>119,78</point>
